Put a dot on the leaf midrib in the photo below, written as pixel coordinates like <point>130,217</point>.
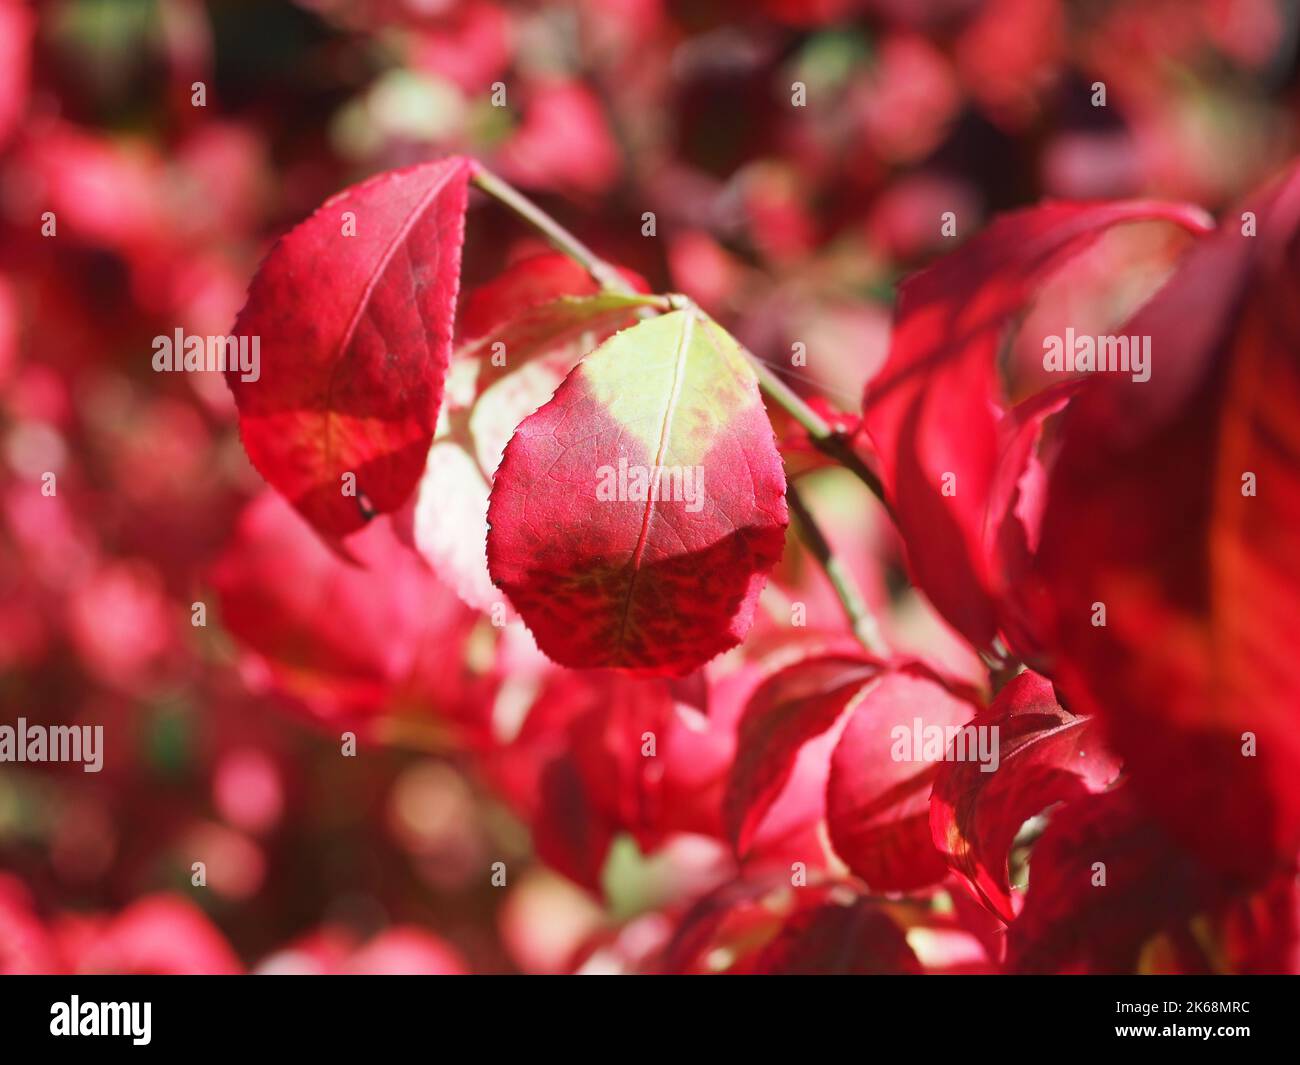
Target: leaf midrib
<point>665,428</point>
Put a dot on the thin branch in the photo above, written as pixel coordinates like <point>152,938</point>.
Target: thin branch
<point>606,276</point>
<point>864,625</point>
<point>828,440</point>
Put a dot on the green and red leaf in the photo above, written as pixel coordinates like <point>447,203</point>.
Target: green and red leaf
<point>656,585</point>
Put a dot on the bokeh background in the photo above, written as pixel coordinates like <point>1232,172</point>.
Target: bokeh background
<point>790,224</point>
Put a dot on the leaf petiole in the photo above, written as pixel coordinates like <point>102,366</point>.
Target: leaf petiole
<point>507,195</point>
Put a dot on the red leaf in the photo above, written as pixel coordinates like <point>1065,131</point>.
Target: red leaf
<point>936,407</point>
<point>524,285</point>
<point>1045,755</point>
<point>837,940</point>
<point>878,804</point>
<point>404,950</point>
<point>26,946</point>
<point>340,639</point>
<point>355,335</point>
<point>761,925</point>
<point>102,191</point>
<point>161,934</point>
<point>564,143</point>
<point>1073,922</point>
<point>1015,514</point>
<point>572,834</point>
<point>1261,933</point>
<point>732,912</point>
<point>1148,515</point>
<point>604,573</point>
<point>601,752</point>
<point>17,28</point>
<point>607,746</point>
<point>469,44</point>
<point>788,709</point>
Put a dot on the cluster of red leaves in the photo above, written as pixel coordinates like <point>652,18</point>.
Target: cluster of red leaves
<point>678,709</point>
<point>1136,506</point>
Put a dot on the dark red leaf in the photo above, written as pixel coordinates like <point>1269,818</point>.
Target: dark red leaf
<point>1045,756</point>
<point>838,940</point>
<point>1149,514</point>
<point>1074,922</point>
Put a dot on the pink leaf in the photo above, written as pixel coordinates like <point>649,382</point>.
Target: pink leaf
<point>788,710</point>
<point>17,28</point>
<point>878,794</point>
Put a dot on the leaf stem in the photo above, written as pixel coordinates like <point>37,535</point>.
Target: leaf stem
<point>863,623</point>
<point>506,194</point>
<point>829,441</point>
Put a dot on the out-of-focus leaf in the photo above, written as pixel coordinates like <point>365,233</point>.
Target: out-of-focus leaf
<point>935,412</point>
<point>1174,506</point>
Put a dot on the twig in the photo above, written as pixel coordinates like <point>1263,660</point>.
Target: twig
<point>861,620</point>
<point>606,276</point>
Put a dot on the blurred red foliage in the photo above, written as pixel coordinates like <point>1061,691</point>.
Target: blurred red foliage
<point>329,756</point>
